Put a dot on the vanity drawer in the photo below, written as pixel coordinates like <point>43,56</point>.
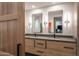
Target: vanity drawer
<point>61,48</point>
<point>29,43</point>
<point>54,45</point>
<point>36,51</point>
<point>40,43</point>
<point>59,53</point>
<point>40,51</point>
<point>60,45</point>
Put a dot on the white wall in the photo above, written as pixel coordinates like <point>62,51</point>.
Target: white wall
<point>68,13</point>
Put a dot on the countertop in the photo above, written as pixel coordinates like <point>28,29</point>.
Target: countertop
<point>73,40</point>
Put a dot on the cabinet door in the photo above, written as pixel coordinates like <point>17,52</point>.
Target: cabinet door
<point>40,44</point>
<point>61,48</point>
<point>29,43</point>
<point>12,28</point>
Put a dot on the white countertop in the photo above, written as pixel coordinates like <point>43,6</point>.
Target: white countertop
<point>51,38</point>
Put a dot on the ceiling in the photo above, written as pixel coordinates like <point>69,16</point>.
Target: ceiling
<point>34,5</point>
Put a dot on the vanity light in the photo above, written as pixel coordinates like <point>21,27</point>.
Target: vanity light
<point>29,25</point>
<point>67,21</point>
<point>45,23</point>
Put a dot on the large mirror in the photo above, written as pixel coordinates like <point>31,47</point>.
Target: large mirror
<point>37,23</point>
<point>55,21</point>
<point>58,24</point>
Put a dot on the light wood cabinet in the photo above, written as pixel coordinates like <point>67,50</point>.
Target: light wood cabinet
<point>61,48</point>
<point>29,50</point>
<point>50,48</point>
<point>40,51</point>
<point>40,43</point>
<point>29,43</point>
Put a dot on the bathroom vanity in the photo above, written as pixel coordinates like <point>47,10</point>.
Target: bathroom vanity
<point>49,46</point>
<point>53,30</point>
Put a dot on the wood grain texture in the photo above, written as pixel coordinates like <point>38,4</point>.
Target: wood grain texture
<point>61,48</point>
<point>78,29</point>
<point>12,27</point>
<point>40,43</point>
<point>9,17</point>
<point>29,43</point>
<point>21,27</point>
<point>50,48</point>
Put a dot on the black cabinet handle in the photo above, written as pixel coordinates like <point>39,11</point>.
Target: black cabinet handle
<point>40,43</point>
<point>69,47</point>
<point>18,49</point>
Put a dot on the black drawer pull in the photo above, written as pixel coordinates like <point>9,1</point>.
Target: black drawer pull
<point>40,43</point>
<point>69,47</point>
<point>40,51</point>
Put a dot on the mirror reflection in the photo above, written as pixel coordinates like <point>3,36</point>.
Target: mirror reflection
<point>37,23</point>
<point>55,21</point>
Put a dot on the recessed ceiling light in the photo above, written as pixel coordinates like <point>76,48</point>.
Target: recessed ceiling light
<point>33,6</point>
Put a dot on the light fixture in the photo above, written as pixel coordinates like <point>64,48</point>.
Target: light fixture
<point>67,21</point>
<point>33,6</point>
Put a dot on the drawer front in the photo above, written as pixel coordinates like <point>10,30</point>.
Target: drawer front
<point>40,51</point>
<point>54,45</point>
<point>30,50</point>
<point>36,51</point>
<point>62,48</point>
<point>40,43</point>
<point>29,43</point>
<point>52,52</point>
